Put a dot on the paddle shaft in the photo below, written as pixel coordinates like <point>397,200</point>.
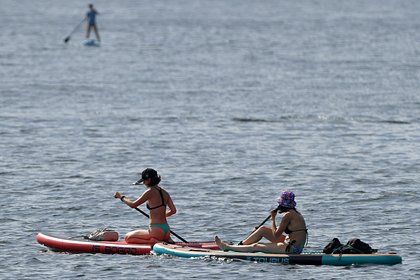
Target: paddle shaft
<point>266,219</point>
<point>260,225</point>
<point>74,30</point>
<point>147,215</point>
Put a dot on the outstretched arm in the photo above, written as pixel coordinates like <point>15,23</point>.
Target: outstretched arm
<point>133,204</point>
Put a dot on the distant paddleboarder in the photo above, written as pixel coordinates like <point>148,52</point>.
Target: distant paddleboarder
<point>91,22</point>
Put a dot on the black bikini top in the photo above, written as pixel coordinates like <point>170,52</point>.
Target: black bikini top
<point>288,231</point>
<point>162,204</point>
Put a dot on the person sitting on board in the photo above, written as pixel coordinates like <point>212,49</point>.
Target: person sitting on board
<point>157,200</point>
<point>91,22</point>
<point>292,223</point>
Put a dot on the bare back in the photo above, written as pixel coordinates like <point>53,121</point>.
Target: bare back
<point>157,203</point>
<point>297,227</point>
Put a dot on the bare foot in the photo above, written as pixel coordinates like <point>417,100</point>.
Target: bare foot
<point>222,245</point>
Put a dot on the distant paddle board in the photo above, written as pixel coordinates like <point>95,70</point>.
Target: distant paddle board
<point>90,43</point>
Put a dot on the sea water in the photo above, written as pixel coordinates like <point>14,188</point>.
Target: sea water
<point>232,102</point>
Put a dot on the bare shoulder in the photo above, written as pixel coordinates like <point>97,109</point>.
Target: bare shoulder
<point>287,216</point>
<point>167,195</point>
<point>164,191</point>
<point>292,215</point>
<point>148,192</point>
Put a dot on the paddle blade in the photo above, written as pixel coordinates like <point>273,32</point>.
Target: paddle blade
<point>67,39</point>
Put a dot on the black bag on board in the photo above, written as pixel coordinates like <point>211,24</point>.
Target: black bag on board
<point>353,246</point>
<point>333,245</point>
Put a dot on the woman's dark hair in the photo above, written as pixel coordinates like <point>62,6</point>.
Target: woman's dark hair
<point>155,180</point>
<point>285,209</point>
<point>150,173</point>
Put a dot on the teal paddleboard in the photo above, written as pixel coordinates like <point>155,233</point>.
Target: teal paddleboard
<point>310,258</point>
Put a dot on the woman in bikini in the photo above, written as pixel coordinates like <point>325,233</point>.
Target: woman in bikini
<point>292,224</point>
<point>156,200</point>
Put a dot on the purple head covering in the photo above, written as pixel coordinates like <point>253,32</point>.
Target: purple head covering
<point>287,200</point>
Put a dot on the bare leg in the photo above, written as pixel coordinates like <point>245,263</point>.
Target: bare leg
<point>222,245</point>
<point>262,232</point>
<point>88,32</point>
<point>144,236</point>
<point>136,240</point>
<point>256,247</point>
<point>96,33</point>
<point>238,248</point>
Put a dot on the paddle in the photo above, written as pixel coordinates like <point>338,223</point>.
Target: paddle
<point>260,225</point>
<point>147,215</point>
<point>74,30</point>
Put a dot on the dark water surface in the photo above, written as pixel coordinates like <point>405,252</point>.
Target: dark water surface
<point>232,102</point>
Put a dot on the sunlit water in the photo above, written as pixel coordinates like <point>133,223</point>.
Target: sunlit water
<point>232,102</point>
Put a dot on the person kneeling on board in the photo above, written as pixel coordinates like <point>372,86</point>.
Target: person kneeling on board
<point>292,224</point>
<point>157,200</point>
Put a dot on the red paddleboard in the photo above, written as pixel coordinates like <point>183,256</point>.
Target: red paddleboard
<point>106,247</point>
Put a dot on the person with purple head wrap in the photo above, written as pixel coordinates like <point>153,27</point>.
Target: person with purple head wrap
<point>289,237</point>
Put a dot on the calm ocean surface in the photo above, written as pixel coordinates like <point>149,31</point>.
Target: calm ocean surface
<point>232,102</point>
